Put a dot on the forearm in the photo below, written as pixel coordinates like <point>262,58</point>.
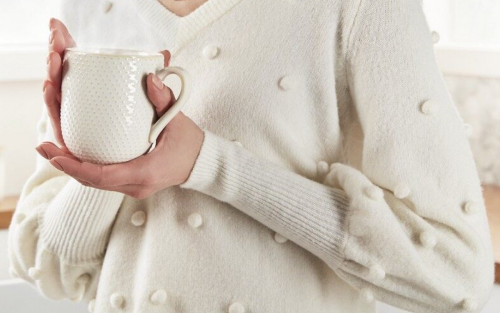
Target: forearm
<point>304,211</point>
<point>77,222</point>
<point>362,231</point>
<point>60,230</point>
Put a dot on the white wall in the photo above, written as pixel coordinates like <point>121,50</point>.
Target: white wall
<point>21,106</point>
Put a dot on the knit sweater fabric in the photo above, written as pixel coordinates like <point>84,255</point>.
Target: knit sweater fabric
<point>335,171</point>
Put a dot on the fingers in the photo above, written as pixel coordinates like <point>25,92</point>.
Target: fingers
<point>53,109</point>
<point>160,95</point>
<point>100,176</point>
<point>167,56</point>
<point>55,24</point>
<point>60,39</point>
<point>48,150</point>
<point>54,66</point>
<point>57,42</point>
<point>135,191</point>
<point>79,170</point>
<point>133,172</point>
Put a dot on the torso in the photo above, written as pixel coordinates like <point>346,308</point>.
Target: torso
<point>237,94</point>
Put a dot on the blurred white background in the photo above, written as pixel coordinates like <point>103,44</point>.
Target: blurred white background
<point>469,23</point>
<point>467,37</point>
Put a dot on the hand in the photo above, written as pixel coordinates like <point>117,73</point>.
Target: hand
<point>59,40</point>
<point>169,164</point>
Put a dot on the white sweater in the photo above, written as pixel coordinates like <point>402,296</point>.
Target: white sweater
<point>354,180</point>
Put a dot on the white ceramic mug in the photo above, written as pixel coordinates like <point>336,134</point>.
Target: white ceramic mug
<point>106,116</point>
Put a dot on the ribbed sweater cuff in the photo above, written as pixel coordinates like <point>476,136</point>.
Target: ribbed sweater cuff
<point>309,213</point>
<point>77,222</point>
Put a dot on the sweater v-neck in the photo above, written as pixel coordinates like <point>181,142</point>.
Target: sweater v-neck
<point>186,27</point>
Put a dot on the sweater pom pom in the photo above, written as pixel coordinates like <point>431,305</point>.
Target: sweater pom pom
<point>158,297</point>
<point>401,191</point>
<point>377,272</point>
<point>116,300</point>
<point>428,239</point>
<point>469,304</point>
<point>367,295</point>
<point>322,168</point>
<point>34,273</point>
<point>374,192</point>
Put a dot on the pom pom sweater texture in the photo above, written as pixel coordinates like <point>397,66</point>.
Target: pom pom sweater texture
<point>335,171</point>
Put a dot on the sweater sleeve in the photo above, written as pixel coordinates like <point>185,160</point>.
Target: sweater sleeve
<point>429,233</point>
<point>59,231</point>
<point>409,227</point>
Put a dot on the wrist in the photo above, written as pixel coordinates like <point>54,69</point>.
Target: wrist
<point>198,139</point>
<point>209,162</point>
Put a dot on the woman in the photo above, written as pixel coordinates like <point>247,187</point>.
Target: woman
<point>319,164</point>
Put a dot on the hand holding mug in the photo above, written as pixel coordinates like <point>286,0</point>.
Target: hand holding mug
<point>170,163</point>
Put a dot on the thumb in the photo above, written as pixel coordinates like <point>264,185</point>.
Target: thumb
<point>160,95</point>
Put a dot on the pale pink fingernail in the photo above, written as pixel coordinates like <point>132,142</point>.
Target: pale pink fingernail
<point>50,38</point>
<point>42,152</point>
<point>157,82</point>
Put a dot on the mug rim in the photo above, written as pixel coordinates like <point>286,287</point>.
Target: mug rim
<point>114,52</point>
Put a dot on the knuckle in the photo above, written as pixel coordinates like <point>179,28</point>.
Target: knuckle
<point>138,194</point>
<point>84,183</point>
<point>169,94</point>
<point>45,85</point>
<point>130,194</point>
<point>52,55</point>
<point>133,194</point>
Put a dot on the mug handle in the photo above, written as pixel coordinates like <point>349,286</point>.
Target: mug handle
<point>177,105</point>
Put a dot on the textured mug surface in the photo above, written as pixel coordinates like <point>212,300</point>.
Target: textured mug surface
<point>106,116</point>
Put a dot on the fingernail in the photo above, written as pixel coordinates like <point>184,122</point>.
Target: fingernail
<point>50,38</point>
<point>157,82</point>
<point>48,59</point>
<point>56,165</point>
<point>44,86</point>
<point>42,152</point>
